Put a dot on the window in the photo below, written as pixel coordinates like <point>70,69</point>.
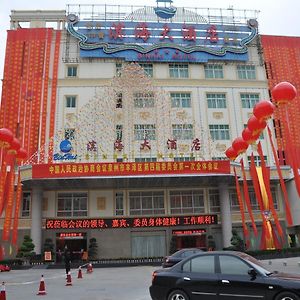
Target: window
<point>72,204</point>
<point>148,69</point>
<point>182,202</point>
<point>69,133</point>
<point>249,100</point>
<point>201,264</point>
<point>184,158</point>
<point>26,202</point>
<point>246,72</point>
<point>214,200</point>
<point>144,131</point>
<point>234,203</point>
<point>146,203</point>
<point>119,132</point>
<point>119,204</point>
<point>119,100</point>
<point>183,131</point>
<point>253,198</point>
<point>230,265</point>
<point>179,70</point>
<point>70,101</point>
<point>145,159</point>
<point>142,100</point>
<point>219,132</point>
<point>118,69</point>
<point>180,99</point>
<point>216,100</point>
<point>256,159</point>
<point>72,71</point>
<point>213,71</point>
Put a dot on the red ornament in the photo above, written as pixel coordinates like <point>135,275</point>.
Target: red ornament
<point>6,137</point>
<point>283,92</point>
<point>249,137</point>
<point>14,146</point>
<point>239,145</point>
<point>231,153</point>
<point>21,154</point>
<point>255,125</point>
<point>263,110</point>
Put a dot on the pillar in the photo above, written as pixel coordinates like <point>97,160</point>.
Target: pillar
<point>36,218</point>
<point>225,214</point>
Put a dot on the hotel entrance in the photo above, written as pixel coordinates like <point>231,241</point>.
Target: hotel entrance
<point>194,238</point>
<point>76,243</point>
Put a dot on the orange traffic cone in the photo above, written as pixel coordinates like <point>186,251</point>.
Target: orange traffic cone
<point>69,279</point>
<point>79,273</point>
<point>2,293</point>
<point>42,290</point>
<point>89,268</point>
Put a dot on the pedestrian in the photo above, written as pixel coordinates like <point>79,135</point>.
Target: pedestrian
<point>67,258</point>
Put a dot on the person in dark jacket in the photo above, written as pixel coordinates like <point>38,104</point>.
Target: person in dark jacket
<point>67,258</point>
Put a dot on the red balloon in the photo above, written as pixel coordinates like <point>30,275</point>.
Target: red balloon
<point>14,146</point>
<point>249,137</point>
<point>255,125</point>
<point>231,153</point>
<point>21,154</point>
<point>283,92</point>
<point>239,145</point>
<point>263,110</point>
<point>6,137</point>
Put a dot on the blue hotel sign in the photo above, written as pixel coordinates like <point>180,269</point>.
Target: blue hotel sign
<point>165,41</point>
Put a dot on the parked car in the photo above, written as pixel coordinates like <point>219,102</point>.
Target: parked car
<point>222,275</point>
<point>4,268</point>
<point>178,256</point>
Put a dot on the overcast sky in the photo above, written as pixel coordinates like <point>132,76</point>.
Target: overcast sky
<point>276,17</point>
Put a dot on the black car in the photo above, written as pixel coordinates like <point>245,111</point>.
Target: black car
<point>222,275</point>
<point>178,256</point>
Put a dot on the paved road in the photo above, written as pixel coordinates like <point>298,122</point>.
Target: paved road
<point>130,283</point>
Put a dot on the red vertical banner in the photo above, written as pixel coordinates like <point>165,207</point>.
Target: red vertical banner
<point>266,177</point>
<point>241,204</point>
<point>247,199</point>
<point>17,210</point>
<point>2,187</point>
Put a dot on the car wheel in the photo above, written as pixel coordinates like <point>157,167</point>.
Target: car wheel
<point>287,296</point>
<point>178,295</point>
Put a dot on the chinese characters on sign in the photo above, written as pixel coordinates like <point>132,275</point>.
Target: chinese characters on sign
<point>63,170</point>
<point>98,223</point>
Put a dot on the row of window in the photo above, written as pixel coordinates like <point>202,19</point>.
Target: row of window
<point>178,100</point>
<point>181,70</point>
<point>150,202</point>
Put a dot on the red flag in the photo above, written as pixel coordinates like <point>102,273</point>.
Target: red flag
<point>247,199</point>
<point>2,187</point>
<point>17,209</point>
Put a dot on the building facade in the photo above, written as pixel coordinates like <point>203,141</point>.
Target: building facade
<point>126,113</point>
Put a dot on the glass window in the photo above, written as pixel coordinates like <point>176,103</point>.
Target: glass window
<point>200,264</point>
<point>142,100</point>
<point>233,266</point>
<point>144,131</point>
<point>179,70</point>
<point>213,71</point>
<point>184,158</point>
<point>26,203</point>
<point>119,204</point>
<point>70,133</point>
<point>72,204</point>
<point>71,101</point>
<point>254,202</point>
<point>148,69</point>
<point>249,100</point>
<point>246,72</point>
<point>214,200</point>
<point>256,159</point>
<point>146,203</point>
<point>180,100</point>
<point>234,202</point>
<point>183,131</point>
<point>215,100</point>
<point>119,132</point>
<point>145,159</point>
<point>219,132</point>
<point>182,202</point>
<point>72,71</point>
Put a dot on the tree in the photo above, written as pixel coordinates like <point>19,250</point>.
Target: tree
<point>93,249</point>
<point>237,242</point>
<point>26,249</point>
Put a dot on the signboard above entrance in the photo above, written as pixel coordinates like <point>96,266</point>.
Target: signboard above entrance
<point>139,36</point>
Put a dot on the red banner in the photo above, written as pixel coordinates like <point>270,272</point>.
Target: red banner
<point>17,209</point>
<point>129,169</point>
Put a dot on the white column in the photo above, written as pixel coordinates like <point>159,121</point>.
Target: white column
<point>36,219</point>
<point>225,214</point>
